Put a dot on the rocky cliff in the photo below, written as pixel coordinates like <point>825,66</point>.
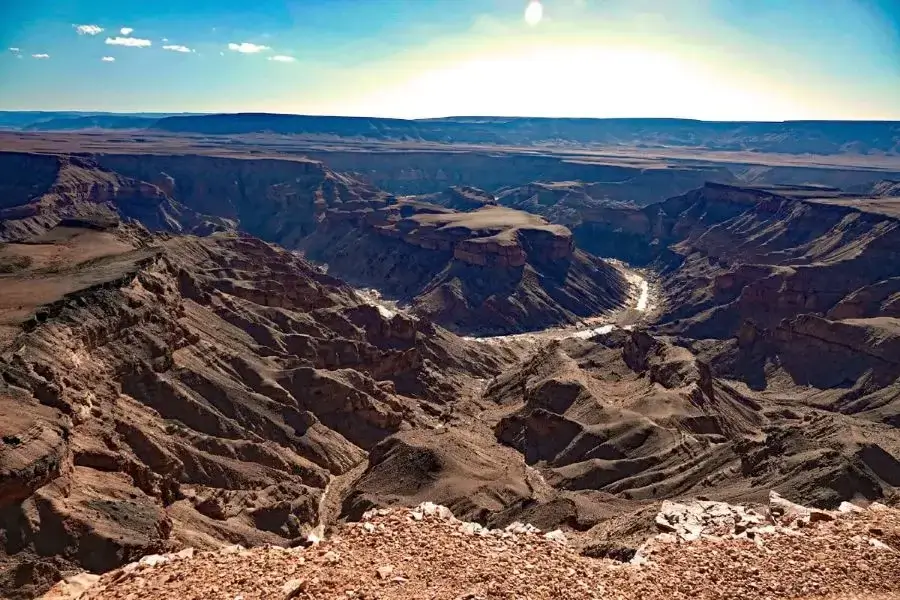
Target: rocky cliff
<point>40,190</point>
<point>279,201</point>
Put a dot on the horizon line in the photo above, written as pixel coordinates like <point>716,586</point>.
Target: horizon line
<point>170,114</point>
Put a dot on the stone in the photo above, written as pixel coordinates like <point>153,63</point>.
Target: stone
<point>182,554</point>
<point>292,588</point>
<point>556,536</point>
<point>385,571</point>
<point>316,535</point>
<point>153,560</point>
<point>849,507</point>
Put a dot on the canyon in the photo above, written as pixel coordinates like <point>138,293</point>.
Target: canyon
<point>216,341</point>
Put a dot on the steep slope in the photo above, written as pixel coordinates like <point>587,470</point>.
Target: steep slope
<point>279,201</point>
<point>192,391</point>
<point>886,189</point>
<point>496,270</point>
<point>492,270</point>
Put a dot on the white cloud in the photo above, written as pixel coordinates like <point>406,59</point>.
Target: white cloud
<point>15,50</point>
<point>128,41</point>
<point>108,59</point>
<point>126,30</point>
<point>88,29</point>
<point>282,58</point>
<point>165,39</point>
<point>177,48</point>
<point>247,48</point>
<point>40,56</point>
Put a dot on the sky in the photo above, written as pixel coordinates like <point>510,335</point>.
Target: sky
<point>704,59</point>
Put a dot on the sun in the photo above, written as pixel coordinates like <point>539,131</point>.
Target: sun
<point>534,13</point>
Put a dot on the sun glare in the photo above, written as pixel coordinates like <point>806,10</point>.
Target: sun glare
<point>534,13</point>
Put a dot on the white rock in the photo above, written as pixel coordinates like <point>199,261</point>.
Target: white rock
<point>292,588</point>
<point>521,528</point>
<point>556,536</point>
<point>131,568</point>
<point>375,512</point>
<point>385,571</point>
<point>472,529</point>
<point>233,549</point>
<point>316,535</point>
<point>879,545</point>
<point>182,554</point>
<point>430,509</point>
<point>153,560</point>
<point>849,507</point>
<point>784,510</point>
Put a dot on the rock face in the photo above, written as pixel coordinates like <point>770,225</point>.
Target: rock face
<point>279,201</point>
<point>492,270</point>
<point>762,253</point>
<point>180,390</point>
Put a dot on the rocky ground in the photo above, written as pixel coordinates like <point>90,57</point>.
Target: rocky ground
<point>710,551</point>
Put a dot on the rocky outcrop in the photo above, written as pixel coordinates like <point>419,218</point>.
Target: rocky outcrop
<point>492,270</point>
<point>34,448</point>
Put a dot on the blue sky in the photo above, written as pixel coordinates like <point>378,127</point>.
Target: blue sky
<point>708,59</point>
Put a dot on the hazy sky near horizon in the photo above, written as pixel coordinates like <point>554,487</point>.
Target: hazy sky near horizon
<point>706,59</point>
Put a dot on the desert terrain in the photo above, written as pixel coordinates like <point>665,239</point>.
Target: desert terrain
<point>222,332</point>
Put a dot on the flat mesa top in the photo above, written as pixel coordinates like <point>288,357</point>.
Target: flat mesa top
<point>490,218</point>
<point>881,206</point>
